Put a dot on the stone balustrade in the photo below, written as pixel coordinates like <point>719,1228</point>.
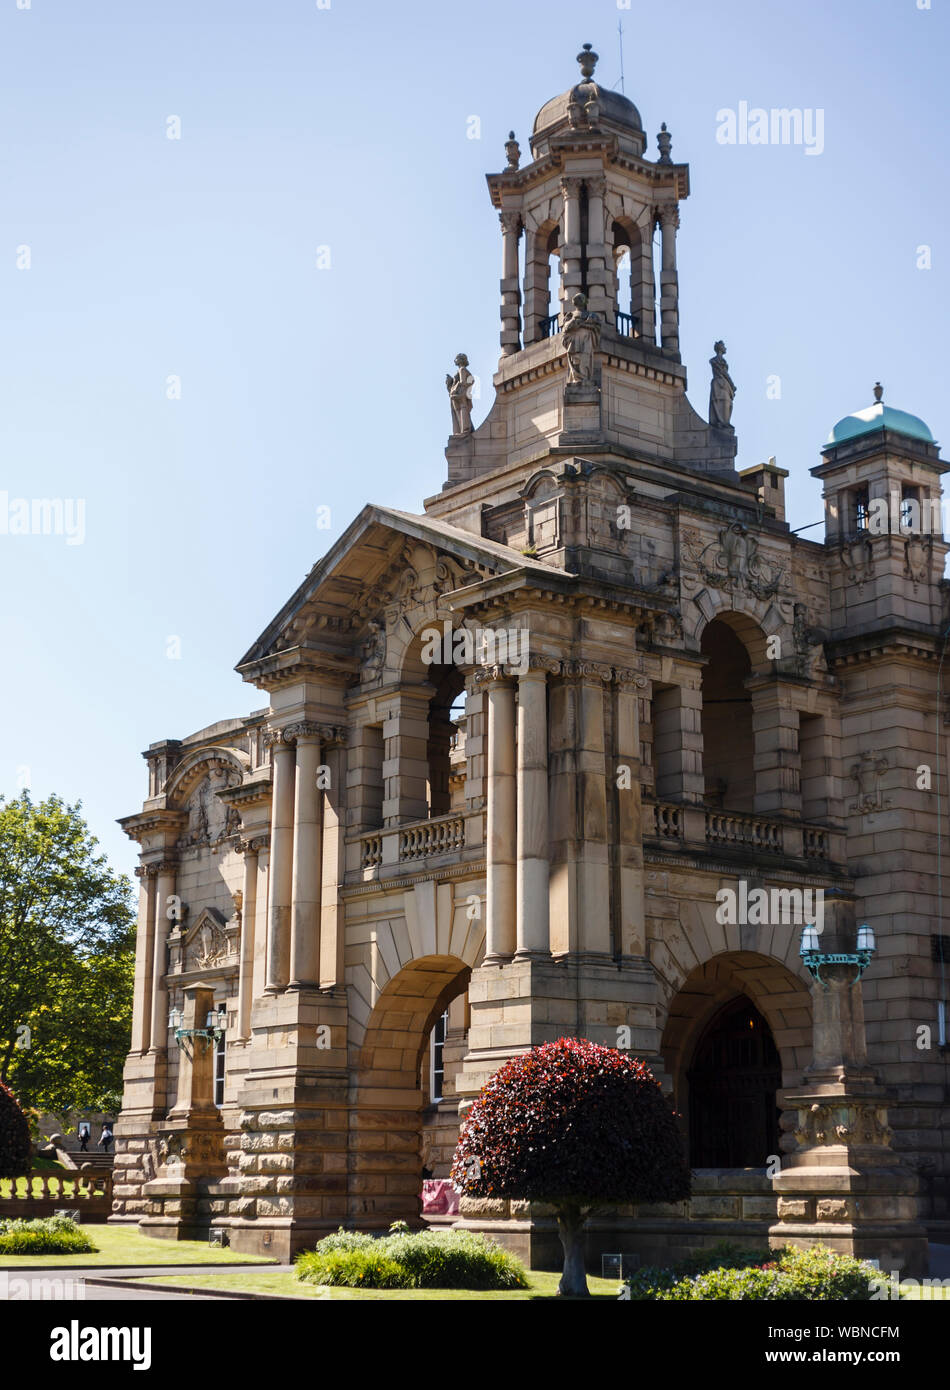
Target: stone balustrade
<point>371,850</point>
<point>737,830</point>
<point>43,1193</point>
<point>444,835</point>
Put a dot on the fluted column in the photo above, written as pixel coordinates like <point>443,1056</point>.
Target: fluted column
<point>144,955</point>
<point>308,863</point>
<point>501,828</point>
<point>533,935</point>
<point>251,850</point>
<point>510,287</point>
<point>598,294</point>
<point>164,890</point>
<point>280,885</point>
<point>572,251</point>
<point>669,283</point>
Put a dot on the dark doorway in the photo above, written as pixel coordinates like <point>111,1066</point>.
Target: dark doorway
<point>736,1071</point>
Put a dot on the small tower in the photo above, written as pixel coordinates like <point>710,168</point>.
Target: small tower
<point>583,287</point>
<point>881,475</point>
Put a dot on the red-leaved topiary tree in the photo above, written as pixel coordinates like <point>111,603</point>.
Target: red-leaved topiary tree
<point>578,1127</point>
<point>16,1154</point>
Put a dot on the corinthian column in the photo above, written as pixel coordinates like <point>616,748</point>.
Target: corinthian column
<point>280,886</point>
<point>164,891</point>
<point>308,863</point>
<point>501,827</point>
<point>669,283</point>
<point>510,289</point>
<point>532,798</point>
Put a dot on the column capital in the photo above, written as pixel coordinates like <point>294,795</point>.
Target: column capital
<point>254,845</point>
<point>591,671</point>
<point>668,215</point>
<point>164,866</point>
<point>571,185</point>
<point>511,223</point>
<point>277,738</point>
<point>494,675</point>
<point>303,732</point>
<point>628,677</point>
<point>596,186</point>
<point>146,871</point>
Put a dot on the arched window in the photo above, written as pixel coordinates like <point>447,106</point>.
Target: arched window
<point>445,707</point>
<point>728,739</point>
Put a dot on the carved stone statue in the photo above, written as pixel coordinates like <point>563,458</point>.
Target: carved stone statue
<point>722,390</point>
<point>459,388</point>
<point>581,337</point>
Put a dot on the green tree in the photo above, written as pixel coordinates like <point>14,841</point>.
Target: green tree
<point>67,945</point>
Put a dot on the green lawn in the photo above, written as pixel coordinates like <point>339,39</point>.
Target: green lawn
<point>122,1245</point>
<point>541,1285</point>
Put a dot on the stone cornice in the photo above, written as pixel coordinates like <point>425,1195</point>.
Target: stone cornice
<point>887,643</point>
<point>149,822</point>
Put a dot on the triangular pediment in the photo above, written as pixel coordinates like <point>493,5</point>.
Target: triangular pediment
<point>374,565</point>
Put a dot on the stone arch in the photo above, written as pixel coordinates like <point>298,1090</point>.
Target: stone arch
<point>386,1121</point>
<point>778,993</point>
<point>754,621</point>
<point>200,764</point>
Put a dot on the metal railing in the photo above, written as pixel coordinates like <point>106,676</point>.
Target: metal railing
<point>550,326</point>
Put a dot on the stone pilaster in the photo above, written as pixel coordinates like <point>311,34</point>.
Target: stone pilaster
<point>669,220</point>
<point>280,887</point>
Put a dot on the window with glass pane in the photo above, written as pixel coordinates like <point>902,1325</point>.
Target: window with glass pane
<point>219,1067</point>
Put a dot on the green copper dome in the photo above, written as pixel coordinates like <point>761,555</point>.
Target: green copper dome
<point>880,417</point>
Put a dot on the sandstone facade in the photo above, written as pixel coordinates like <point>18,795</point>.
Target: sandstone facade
<point>531,836</point>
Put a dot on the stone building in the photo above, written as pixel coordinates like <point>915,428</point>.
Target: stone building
<point>510,754</point>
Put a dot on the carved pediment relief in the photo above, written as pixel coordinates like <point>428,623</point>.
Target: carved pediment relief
<point>733,561</point>
<point>209,819</point>
<point>208,942</point>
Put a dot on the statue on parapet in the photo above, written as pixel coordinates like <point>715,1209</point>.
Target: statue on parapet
<point>581,338</point>
<point>459,388</point>
<point>722,390</point>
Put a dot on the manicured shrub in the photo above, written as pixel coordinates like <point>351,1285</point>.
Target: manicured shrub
<point>354,1268</point>
<point>791,1275</point>
<point>413,1260</point>
<point>15,1148</point>
<point>52,1235</point>
<point>576,1126</point>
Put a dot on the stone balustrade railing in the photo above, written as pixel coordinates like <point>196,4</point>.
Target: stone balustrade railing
<point>667,821</point>
<point>743,831</point>
<point>441,836</point>
<point>59,1189</point>
<point>735,830</point>
<point>371,850</point>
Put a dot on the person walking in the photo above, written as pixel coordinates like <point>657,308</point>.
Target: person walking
<point>105,1138</point>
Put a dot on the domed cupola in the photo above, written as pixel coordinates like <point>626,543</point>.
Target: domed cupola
<point>876,417</point>
<point>586,108</point>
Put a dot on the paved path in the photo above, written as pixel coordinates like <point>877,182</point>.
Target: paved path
<point>52,1284</point>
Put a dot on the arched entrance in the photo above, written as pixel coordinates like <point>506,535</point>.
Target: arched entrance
<point>733,1079</point>
<point>393,1092</point>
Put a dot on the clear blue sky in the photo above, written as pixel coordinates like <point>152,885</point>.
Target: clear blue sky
<point>300,388</point>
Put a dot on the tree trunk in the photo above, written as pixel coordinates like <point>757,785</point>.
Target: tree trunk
<point>570,1228</point>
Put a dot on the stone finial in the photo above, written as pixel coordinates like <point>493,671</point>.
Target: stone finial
<point>878,391</point>
<point>512,150</point>
<point>588,61</point>
<point>665,141</point>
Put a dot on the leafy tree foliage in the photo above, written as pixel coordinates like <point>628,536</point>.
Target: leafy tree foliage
<point>67,941</point>
<point>576,1126</point>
